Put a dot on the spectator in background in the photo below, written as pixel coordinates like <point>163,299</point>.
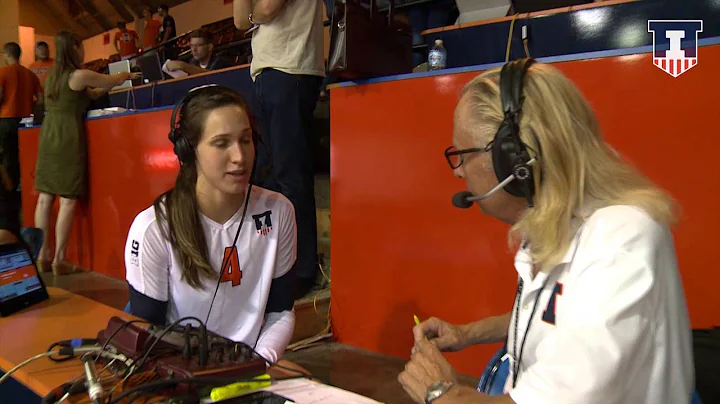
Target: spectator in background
<point>167,32</point>
<point>127,42</point>
<point>18,87</point>
<point>41,67</point>
<point>43,62</point>
<point>152,29</point>
<point>62,152</point>
<point>204,57</point>
<point>287,69</point>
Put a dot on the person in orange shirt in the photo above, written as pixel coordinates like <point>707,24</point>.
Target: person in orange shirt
<point>41,67</point>
<point>18,86</point>
<point>126,42</point>
<point>152,29</point>
<point>43,62</point>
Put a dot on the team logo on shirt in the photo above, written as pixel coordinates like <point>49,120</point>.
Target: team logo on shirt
<point>230,271</point>
<point>263,222</point>
<point>135,253</point>
<point>549,313</point>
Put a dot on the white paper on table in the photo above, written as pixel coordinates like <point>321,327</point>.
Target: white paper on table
<point>174,74</point>
<point>304,391</point>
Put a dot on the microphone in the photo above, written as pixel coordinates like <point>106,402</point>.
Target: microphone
<point>95,389</point>
<point>465,199</point>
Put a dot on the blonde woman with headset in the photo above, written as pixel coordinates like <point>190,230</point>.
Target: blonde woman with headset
<point>600,313</point>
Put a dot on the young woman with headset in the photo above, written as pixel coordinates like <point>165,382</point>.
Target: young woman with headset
<point>600,313</point>
<point>216,247</point>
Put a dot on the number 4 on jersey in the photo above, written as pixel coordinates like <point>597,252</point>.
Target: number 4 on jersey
<point>231,267</point>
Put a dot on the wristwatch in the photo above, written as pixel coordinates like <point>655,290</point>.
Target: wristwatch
<point>436,390</point>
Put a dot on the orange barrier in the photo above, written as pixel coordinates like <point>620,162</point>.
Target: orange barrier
<point>400,248</point>
<point>130,162</point>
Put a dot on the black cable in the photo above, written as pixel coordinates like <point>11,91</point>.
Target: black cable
<point>207,381</point>
<point>169,328</point>
<point>70,343</point>
<point>105,345</point>
<point>234,245</point>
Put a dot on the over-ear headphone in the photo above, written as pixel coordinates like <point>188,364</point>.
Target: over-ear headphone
<point>181,146</point>
<point>509,154</point>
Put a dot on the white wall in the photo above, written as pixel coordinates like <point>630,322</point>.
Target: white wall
<point>95,49</point>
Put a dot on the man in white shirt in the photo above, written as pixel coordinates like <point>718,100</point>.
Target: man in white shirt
<point>600,313</point>
<point>287,70</point>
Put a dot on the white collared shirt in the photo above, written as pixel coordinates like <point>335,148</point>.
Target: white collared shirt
<point>611,323</point>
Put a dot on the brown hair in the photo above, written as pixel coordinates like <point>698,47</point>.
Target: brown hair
<point>202,33</point>
<point>66,60</point>
<point>178,207</point>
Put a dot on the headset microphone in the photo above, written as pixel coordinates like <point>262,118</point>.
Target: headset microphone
<point>465,199</point>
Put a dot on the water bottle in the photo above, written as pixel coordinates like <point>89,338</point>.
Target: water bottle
<point>437,57</point>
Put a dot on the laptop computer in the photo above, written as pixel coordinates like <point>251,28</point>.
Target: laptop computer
<point>151,67</point>
<point>117,67</point>
<point>20,282</point>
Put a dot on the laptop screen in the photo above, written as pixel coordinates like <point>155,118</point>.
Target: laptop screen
<point>18,275</point>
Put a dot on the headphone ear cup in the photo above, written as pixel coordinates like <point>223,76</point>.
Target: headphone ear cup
<point>506,160</point>
<point>182,149</point>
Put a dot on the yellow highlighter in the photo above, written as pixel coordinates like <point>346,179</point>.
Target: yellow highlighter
<point>417,322</point>
<point>236,389</point>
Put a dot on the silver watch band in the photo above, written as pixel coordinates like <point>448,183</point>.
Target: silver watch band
<point>436,390</point>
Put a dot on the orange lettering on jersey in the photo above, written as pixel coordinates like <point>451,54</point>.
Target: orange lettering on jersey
<point>231,267</point>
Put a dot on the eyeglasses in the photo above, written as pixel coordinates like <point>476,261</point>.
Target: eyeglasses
<point>454,157</point>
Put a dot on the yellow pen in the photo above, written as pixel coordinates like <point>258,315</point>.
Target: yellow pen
<point>417,322</point>
<point>236,389</point>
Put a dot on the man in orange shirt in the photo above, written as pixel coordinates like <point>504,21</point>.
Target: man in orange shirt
<point>43,62</point>
<point>18,86</point>
<point>152,29</point>
<point>126,42</point>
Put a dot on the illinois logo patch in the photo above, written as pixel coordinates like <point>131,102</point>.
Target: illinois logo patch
<point>675,44</point>
<point>263,222</point>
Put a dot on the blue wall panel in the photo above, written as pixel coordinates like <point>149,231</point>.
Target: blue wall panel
<point>170,93</point>
<point>596,29</point>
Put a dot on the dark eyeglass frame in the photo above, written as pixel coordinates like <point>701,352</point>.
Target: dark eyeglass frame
<point>450,153</point>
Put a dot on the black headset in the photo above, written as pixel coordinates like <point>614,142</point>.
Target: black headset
<point>181,146</point>
<point>509,154</point>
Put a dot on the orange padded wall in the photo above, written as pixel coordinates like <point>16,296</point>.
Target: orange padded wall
<point>130,162</point>
<point>399,247</point>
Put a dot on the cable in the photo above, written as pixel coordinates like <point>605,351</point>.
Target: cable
<point>191,380</point>
<point>70,343</point>
<point>234,245</point>
<point>63,351</point>
<point>509,41</point>
<point>105,345</point>
<point>141,362</point>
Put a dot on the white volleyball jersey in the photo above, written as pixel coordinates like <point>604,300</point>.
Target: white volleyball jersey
<point>266,249</point>
<point>611,322</point>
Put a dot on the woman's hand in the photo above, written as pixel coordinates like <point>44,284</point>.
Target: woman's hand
<point>427,365</point>
<point>445,336</point>
<point>129,76</point>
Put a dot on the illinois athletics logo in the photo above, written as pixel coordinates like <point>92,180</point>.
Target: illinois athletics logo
<point>230,271</point>
<point>675,44</point>
<point>263,222</point>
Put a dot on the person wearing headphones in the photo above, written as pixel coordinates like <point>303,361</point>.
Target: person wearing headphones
<point>216,247</point>
<point>600,313</point>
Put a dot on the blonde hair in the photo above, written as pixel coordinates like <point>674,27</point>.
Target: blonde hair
<point>578,172</point>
